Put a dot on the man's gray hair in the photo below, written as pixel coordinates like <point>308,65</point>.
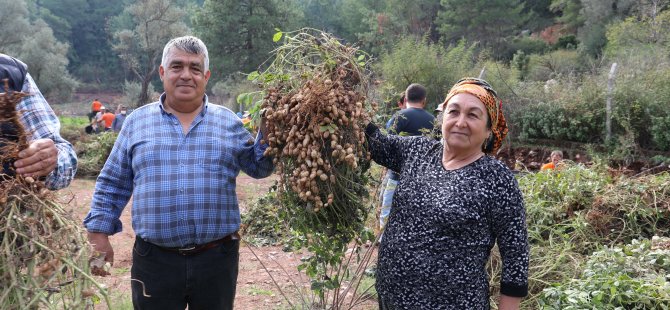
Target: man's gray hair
<point>189,44</point>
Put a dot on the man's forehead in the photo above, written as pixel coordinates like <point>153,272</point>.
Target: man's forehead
<point>182,57</point>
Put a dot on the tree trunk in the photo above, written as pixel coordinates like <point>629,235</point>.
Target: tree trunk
<point>144,93</point>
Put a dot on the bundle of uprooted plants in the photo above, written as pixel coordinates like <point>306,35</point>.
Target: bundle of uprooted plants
<point>44,256</point>
<point>316,105</point>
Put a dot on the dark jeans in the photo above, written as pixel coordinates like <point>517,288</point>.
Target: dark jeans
<point>171,281</point>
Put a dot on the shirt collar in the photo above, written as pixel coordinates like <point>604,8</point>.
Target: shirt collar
<point>205,100</point>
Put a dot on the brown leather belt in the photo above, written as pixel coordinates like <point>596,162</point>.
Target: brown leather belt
<point>197,249</point>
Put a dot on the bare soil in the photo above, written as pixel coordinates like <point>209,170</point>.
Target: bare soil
<point>256,289</point>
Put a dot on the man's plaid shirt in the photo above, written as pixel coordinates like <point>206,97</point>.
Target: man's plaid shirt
<point>183,185</point>
<point>40,120</point>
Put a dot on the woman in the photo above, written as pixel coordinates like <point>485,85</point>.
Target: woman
<point>453,202</point>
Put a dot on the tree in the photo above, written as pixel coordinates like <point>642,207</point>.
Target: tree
<point>13,23</point>
<point>240,31</point>
<point>35,44</point>
<point>392,20</point>
<point>487,21</point>
<point>140,48</point>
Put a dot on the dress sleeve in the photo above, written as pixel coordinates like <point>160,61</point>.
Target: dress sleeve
<point>509,228</point>
<point>386,150</point>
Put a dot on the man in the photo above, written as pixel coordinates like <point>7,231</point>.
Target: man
<point>413,120</point>
<point>119,118</point>
<point>95,108</point>
<point>178,158</point>
<point>106,119</point>
<point>48,156</point>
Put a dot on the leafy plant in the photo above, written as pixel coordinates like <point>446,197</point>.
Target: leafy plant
<point>632,276</point>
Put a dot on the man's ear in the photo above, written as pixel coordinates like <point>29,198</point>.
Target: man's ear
<point>161,71</point>
<point>207,75</point>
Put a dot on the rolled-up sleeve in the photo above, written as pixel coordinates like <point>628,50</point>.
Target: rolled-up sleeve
<point>41,121</point>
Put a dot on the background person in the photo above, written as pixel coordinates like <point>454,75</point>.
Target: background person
<point>412,120</point>
<point>178,158</point>
<point>119,118</point>
<point>95,109</point>
<point>48,155</point>
<point>106,120</point>
<point>453,203</point>
<point>555,157</point>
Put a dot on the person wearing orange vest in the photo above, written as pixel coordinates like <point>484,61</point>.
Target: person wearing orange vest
<point>556,156</point>
<point>106,119</point>
<point>95,108</point>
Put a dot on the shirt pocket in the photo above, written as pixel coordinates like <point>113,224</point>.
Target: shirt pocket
<point>214,156</point>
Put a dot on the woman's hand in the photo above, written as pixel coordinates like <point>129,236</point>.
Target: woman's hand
<point>509,303</point>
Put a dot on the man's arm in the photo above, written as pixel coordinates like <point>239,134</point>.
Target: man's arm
<point>48,154</point>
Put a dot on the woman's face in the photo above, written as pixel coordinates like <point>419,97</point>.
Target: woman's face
<point>464,124</point>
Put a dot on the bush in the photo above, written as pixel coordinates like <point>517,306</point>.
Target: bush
<point>131,93</point>
<point>72,128</point>
<point>93,153</point>
<point>259,223</point>
<point>633,276</point>
<point>415,60</point>
<point>556,64</point>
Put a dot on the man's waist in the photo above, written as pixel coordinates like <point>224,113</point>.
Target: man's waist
<point>193,249</point>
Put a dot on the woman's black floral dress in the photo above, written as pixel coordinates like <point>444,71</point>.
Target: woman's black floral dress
<point>442,227</point>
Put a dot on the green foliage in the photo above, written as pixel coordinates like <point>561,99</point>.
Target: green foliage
<point>418,61</point>
<point>553,197</point>
<point>132,92</point>
<point>92,153</point>
<point>632,276</point>
<point>634,33</point>
<point>487,21</point>
<point>568,111</point>
<point>569,11</point>
<point>574,211</point>
<point>259,222</point>
<point>72,127</point>
<point>241,32</point>
<point>34,43</point>
<point>140,47</point>
<point>390,21</point>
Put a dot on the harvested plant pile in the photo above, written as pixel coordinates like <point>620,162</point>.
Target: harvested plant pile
<point>315,106</point>
<point>43,252</point>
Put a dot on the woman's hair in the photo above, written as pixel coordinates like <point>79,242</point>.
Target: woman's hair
<point>556,152</point>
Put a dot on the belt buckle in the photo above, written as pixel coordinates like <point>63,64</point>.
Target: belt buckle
<point>185,251</point>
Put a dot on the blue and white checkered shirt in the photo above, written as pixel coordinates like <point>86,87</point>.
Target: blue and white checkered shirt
<point>183,185</point>
<point>40,120</point>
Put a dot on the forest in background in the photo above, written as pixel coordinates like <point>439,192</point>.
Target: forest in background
<point>549,59</point>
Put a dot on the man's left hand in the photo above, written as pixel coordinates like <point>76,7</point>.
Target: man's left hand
<point>39,159</point>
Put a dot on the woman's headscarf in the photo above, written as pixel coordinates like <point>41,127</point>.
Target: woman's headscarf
<point>483,90</point>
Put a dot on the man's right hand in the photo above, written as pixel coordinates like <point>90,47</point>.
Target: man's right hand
<point>101,245</point>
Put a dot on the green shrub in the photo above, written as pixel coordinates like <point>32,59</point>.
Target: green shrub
<point>415,60</point>
<point>633,276</point>
<point>93,152</point>
<point>259,222</point>
<point>72,128</point>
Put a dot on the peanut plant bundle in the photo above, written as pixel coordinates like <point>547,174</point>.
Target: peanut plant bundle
<point>315,106</point>
<point>44,255</point>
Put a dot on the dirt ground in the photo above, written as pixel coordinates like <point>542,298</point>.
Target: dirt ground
<point>255,287</point>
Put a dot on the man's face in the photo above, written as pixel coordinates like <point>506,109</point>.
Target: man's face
<point>184,79</point>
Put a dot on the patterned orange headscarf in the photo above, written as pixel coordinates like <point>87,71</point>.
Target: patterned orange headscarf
<point>482,90</point>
